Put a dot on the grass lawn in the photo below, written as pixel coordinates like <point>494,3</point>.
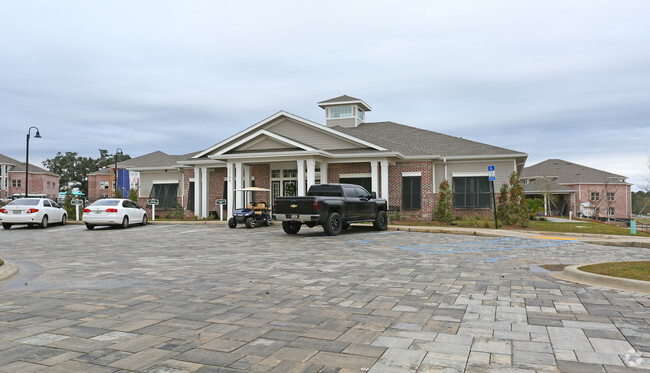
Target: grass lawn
<point>579,226</point>
<point>631,270</point>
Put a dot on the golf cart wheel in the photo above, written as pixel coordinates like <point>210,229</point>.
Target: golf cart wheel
<point>267,222</point>
<point>232,223</point>
<point>250,222</point>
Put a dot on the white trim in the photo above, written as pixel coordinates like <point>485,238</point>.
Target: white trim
<point>468,174</point>
<point>459,157</point>
<point>409,174</point>
<point>323,103</point>
<point>279,114</point>
<point>191,180</point>
<point>355,175</point>
<point>164,181</point>
<point>266,133</point>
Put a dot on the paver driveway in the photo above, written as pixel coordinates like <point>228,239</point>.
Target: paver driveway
<point>172,298</point>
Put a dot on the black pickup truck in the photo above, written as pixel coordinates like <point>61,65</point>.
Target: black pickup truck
<point>334,206</point>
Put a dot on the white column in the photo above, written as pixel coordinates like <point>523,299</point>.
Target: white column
<point>247,183</point>
<point>323,173</point>
<point>239,177</point>
<point>204,192</point>
<point>311,172</point>
<point>197,191</point>
<point>384,180</point>
<point>374,177</point>
<point>230,197</point>
<point>301,177</point>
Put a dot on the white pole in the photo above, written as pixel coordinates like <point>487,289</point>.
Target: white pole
<point>153,212</point>
<point>76,207</point>
<point>221,212</point>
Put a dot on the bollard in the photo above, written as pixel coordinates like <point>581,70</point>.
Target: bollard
<point>633,226</point>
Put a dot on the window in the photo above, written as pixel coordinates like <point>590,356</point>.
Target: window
<point>46,203</point>
<point>48,185</point>
<point>340,112</point>
<point>411,192</point>
<point>360,114</point>
<point>595,196</point>
<point>275,174</point>
<point>365,182</point>
<point>611,211</point>
<point>166,194</point>
<point>103,185</point>
<point>610,196</point>
<point>290,173</point>
<point>17,183</point>
<point>190,197</point>
<point>471,192</point>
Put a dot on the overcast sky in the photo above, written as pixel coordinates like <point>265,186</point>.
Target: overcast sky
<point>554,79</point>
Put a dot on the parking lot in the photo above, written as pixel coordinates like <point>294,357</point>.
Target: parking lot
<point>205,298</point>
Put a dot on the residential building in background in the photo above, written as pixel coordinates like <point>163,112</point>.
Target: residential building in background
<point>12,180</point>
<point>581,190</point>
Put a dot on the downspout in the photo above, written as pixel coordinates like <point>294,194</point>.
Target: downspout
<point>445,160</point>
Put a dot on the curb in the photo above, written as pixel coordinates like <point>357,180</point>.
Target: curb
<point>573,274</point>
<point>7,270</point>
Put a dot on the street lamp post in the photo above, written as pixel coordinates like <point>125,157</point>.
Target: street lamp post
<point>37,136</point>
<point>119,152</point>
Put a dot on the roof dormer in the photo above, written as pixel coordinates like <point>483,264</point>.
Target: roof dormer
<point>344,111</point>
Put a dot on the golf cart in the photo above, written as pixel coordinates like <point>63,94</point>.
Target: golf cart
<point>255,213</point>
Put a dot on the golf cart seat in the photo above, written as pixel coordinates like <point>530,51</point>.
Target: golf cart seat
<point>258,207</point>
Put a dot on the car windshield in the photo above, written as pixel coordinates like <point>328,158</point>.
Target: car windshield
<point>106,202</point>
<point>25,202</point>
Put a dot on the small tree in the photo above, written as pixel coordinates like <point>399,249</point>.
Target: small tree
<point>133,195</point>
<point>502,205</point>
<point>67,204</point>
<point>443,209</point>
<point>516,210</point>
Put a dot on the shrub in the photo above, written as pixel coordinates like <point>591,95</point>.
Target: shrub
<point>178,213</point>
<point>533,206</point>
<point>443,208</point>
<point>133,195</point>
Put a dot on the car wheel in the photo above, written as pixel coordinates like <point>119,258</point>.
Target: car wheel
<point>381,221</point>
<point>291,227</point>
<point>250,222</point>
<point>345,226</point>
<point>44,222</point>
<point>6,225</point>
<point>64,219</point>
<point>333,224</point>
<point>125,222</point>
<point>232,223</point>
<point>90,226</point>
<point>145,220</point>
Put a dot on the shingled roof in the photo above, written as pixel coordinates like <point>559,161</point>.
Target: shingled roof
<point>411,141</point>
<point>20,166</point>
<point>344,99</point>
<point>570,173</point>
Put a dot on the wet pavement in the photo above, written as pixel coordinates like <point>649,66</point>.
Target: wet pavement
<point>202,298</point>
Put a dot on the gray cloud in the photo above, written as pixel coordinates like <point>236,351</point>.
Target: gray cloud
<point>553,79</point>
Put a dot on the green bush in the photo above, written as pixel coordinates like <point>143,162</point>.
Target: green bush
<point>133,195</point>
<point>443,211</point>
<point>177,214</point>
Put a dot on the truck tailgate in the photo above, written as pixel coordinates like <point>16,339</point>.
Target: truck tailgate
<point>294,206</point>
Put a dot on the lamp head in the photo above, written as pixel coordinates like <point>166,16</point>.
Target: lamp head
<point>38,135</point>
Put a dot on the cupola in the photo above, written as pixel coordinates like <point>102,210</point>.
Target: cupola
<point>344,111</point>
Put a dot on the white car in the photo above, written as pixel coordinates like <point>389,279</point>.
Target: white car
<point>32,211</point>
<point>114,211</point>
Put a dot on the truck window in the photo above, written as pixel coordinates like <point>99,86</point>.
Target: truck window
<point>362,193</point>
<point>325,191</point>
<point>350,192</point>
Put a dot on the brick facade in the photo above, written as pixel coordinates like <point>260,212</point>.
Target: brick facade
<point>39,183</point>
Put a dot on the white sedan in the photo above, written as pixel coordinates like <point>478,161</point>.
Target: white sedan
<point>32,211</point>
<point>122,212</point>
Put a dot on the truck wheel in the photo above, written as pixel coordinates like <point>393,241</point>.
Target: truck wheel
<point>232,223</point>
<point>250,222</point>
<point>291,227</point>
<point>333,225</point>
<point>381,221</point>
<point>345,226</point>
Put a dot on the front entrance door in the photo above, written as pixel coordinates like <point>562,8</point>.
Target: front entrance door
<point>290,188</point>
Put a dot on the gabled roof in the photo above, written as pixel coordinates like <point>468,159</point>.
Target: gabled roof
<point>19,166</point>
<point>255,131</point>
<point>546,185</point>
<point>411,141</point>
<point>157,159</point>
<point>345,99</point>
<point>565,172</point>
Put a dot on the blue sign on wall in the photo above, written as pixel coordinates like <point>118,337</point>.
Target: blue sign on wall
<point>123,181</point>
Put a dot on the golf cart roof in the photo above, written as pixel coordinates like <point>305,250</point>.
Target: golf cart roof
<point>252,189</point>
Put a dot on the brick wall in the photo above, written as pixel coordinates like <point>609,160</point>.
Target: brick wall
<point>37,184</point>
<point>262,174</point>
<point>94,190</point>
<point>395,190</point>
<point>336,169</point>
